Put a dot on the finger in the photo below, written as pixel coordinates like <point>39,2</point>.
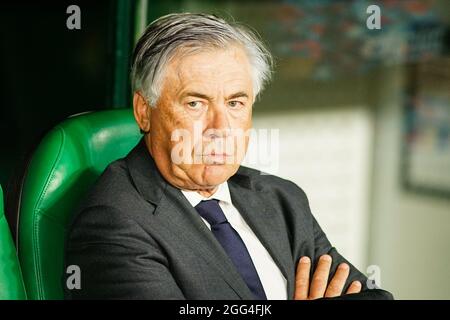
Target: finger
<point>302,279</point>
<point>337,284</point>
<point>355,287</point>
<point>320,277</point>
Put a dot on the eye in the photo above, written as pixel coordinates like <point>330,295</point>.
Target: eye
<point>195,105</point>
<point>235,104</point>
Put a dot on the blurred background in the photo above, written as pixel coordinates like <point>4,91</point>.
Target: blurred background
<point>362,116</point>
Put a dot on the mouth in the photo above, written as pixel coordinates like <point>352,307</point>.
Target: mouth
<point>216,158</point>
<point>213,153</point>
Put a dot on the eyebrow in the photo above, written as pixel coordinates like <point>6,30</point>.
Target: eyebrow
<point>240,94</point>
<point>196,94</point>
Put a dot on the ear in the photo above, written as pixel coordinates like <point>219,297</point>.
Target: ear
<point>142,112</point>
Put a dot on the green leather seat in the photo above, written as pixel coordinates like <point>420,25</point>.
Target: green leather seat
<point>11,284</point>
<point>65,164</point>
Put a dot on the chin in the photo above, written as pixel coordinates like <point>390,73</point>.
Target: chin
<point>215,174</point>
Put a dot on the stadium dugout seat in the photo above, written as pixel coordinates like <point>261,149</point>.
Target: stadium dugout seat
<point>62,168</point>
<point>11,284</point>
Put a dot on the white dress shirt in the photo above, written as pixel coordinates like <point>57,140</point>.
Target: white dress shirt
<point>273,281</point>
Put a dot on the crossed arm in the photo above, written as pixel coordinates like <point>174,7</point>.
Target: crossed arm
<point>334,277</point>
<point>319,287</point>
<point>309,289</point>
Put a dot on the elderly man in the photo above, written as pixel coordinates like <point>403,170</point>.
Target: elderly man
<point>178,217</point>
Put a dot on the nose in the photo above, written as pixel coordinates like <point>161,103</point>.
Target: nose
<point>218,122</point>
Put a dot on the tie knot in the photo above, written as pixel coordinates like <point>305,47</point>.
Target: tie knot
<point>211,212</point>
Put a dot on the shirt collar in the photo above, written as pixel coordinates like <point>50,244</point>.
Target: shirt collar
<point>222,194</point>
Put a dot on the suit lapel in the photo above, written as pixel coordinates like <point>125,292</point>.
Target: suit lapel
<point>267,225</point>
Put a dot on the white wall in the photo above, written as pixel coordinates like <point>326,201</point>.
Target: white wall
<point>410,232</point>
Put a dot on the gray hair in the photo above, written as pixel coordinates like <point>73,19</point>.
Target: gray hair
<point>164,37</point>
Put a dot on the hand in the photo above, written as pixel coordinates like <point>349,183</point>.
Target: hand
<point>318,288</point>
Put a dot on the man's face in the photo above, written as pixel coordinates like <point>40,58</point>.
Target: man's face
<point>199,128</point>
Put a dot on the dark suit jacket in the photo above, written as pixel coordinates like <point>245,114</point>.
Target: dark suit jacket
<point>137,237</point>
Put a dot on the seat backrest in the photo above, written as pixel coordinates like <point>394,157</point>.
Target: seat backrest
<point>64,166</point>
<point>11,284</point>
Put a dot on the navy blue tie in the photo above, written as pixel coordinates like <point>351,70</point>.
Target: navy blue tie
<point>232,244</point>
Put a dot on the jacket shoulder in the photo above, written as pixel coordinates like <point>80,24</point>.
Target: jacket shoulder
<point>114,189</point>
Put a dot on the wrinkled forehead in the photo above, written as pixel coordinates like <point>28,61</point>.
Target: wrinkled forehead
<point>211,67</point>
